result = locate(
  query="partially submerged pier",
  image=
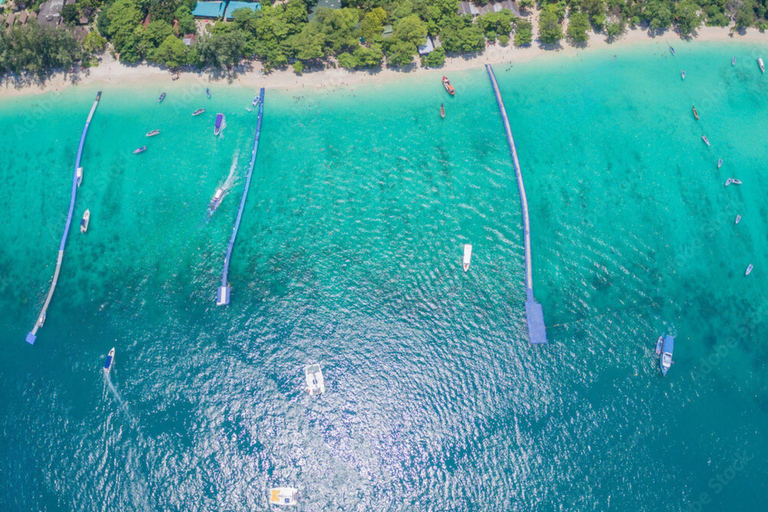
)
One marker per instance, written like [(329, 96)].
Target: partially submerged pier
[(222, 295), (534, 313), (32, 335)]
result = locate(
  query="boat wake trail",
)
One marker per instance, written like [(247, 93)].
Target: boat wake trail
[(116, 394), (225, 187)]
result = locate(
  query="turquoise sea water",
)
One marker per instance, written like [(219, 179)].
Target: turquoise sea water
[(350, 255)]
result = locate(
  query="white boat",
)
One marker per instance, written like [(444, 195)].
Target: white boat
[(749, 269), (84, 221), (315, 381), (284, 496), (659, 344), (217, 197), (738, 219), (153, 133), (79, 174), (760, 63), (720, 163), (683, 75), (467, 256), (705, 139), (109, 360)]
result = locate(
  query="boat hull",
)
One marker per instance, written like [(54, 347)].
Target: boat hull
[(109, 361)]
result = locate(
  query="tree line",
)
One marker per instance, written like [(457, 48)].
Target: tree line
[(360, 35)]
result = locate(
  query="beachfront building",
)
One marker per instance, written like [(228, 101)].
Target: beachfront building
[(429, 46), (50, 13)]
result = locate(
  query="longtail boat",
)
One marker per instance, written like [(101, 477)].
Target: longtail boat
[(448, 86), (695, 114)]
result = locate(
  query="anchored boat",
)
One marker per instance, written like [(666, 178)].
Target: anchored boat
[(733, 61), (760, 63), (139, 150), (219, 124), (315, 381), (109, 360), (84, 222), (738, 219), (683, 75), (285, 496), (672, 51), (733, 181), (666, 357), (442, 111), (448, 86), (467, 256), (720, 163), (749, 270), (695, 114), (208, 93), (255, 102), (659, 344), (705, 139), (153, 133), (198, 112), (79, 174), (161, 98)]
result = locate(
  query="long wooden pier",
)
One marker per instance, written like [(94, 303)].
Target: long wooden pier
[(534, 313), (222, 295), (32, 335)]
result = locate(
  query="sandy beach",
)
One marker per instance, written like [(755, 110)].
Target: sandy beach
[(111, 71)]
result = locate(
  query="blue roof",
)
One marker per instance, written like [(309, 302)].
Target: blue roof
[(208, 10), (669, 344), (233, 6)]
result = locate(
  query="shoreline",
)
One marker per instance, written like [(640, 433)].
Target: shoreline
[(111, 72)]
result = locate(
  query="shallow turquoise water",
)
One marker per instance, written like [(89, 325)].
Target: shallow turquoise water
[(350, 255)]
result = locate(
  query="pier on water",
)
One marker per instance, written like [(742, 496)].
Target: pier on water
[(222, 295), (32, 335), (534, 313)]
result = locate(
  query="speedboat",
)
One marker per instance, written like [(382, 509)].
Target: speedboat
[(208, 93), (749, 269), (672, 51), (219, 124), (198, 112), (735, 181), (79, 174), (738, 219), (284, 496), (161, 98), (666, 356), (315, 381), (84, 222), (448, 86), (728, 181), (720, 163), (255, 102), (695, 114), (467, 256), (683, 75), (760, 63), (109, 360), (705, 139), (217, 197), (659, 344), (153, 133), (733, 61), (139, 150), (442, 111)]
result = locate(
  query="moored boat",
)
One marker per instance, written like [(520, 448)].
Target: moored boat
[(733, 61), (153, 133), (705, 139), (219, 124), (720, 163), (109, 360), (161, 98), (442, 111), (728, 181), (467, 256), (738, 219), (139, 150), (683, 74), (285, 496), (735, 181), (84, 221), (695, 114), (760, 63), (314, 378), (749, 270), (448, 86), (198, 112), (208, 93), (666, 356), (79, 174), (672, 51), (659, 344), (255, 102)]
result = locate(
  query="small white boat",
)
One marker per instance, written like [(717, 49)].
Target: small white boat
[(84, 221), (733, 181), (315, 381), (705, 139), (109, 360), (284, 496), (683, 74), (198, 112), (749, 269), (738, 219), (720, 163), (217, 197), (467, 256), (659, 344), (153, 133), (79, 174), (760, 63)]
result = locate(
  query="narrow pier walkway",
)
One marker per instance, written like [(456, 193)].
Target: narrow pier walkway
[(222, 295), (534, 313), (32, 335)]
